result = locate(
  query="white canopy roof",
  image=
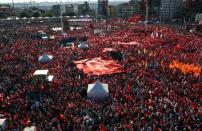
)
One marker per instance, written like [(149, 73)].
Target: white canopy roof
[(31, 128), (44, 37), (2, 122), (41, 31), (80, 20), (72, 45), (50, 78), (98, 90), (41, 72), (52, 37), (56, 29), (45, 58), (83, 45)]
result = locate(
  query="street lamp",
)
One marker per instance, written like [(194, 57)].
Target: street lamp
[(146, 13), (13, 4), (61, 16), (13, 12)]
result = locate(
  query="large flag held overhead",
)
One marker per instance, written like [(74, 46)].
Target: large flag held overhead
[(185, 68), (98, 66)]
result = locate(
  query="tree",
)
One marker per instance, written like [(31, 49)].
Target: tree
[(69, 14), (36, 14), (24, 14), (47, 14)]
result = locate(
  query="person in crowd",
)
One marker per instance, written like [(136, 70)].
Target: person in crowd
[(148, 96)]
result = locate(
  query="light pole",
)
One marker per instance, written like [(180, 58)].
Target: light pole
[(184, 18), (105, 8), (13, 12), (61, 17), (147, 14), (13, 4)]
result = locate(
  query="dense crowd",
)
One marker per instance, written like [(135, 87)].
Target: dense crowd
[(148, 96)]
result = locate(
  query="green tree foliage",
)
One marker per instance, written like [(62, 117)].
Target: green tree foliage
[(36, 14), (47, 14), (24, 14), (69, 14)]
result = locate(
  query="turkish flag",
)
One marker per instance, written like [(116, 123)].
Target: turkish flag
[(99, 66)]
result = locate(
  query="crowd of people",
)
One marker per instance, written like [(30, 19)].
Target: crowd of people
[(148, 96)]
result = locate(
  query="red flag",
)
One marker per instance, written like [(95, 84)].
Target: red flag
[(102, 128)]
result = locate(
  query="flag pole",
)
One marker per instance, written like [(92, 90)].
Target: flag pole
[(13, 13), (106, 11), (147, 14), (61, 16)]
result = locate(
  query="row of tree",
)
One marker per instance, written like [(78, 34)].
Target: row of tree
[(35, 13)]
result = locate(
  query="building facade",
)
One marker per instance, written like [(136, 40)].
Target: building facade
[(128, 9), (170, 8), (111, 11), (83, 9), (55, 9), (199, 6), (154, 8), (69, 10), (102, 8), (5, 11), (180, 9)]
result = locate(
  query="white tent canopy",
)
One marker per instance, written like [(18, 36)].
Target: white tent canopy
[(98, 90), (41, 72), (50, 78), (45, 58), (83, 45), (44, 37), (31, 128), (40, 31), (2, 123), (56, 29), (52, 37)]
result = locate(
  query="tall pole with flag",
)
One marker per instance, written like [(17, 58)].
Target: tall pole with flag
[(61, 17), (13, 13), (105, 11), (147, 13)]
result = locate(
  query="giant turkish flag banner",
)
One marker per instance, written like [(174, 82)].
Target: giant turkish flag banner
[(99, 66)]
